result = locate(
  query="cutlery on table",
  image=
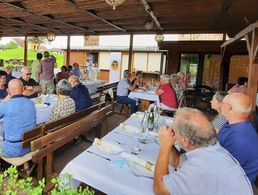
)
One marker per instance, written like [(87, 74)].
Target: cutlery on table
[(99, 155)]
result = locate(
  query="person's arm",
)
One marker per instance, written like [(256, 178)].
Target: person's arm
[(159, 91), (167, 139), (133, 87)]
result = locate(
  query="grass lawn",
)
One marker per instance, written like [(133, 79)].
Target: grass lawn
[(19, 54)]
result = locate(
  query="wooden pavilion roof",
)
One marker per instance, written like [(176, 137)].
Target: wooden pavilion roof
[(79, 17)]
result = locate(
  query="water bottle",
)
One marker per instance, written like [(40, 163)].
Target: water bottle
[(151, 119), (143, 135)]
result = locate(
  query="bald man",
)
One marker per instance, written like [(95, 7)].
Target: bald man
[(19, 115), (206, 168), (239, 136), (79, 93)]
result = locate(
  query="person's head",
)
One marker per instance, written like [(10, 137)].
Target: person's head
[(89, 59), (2, 78), (164, 79), (63, 87), (46, 54), (75, 65), (74, 80), (39, 56), (8, 70), (69, 68), (139, 74), (63, 69), (26, 73), (236, 107), (127, 75), (242, 81), (174, 78), (181, 75), (15, 87), (217, 100), (193, 129)]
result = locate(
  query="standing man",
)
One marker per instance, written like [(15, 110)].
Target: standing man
[(206, 168), (123, 88), (46, 72), (35, 67), (19, 115), (239, 136), (31, 87), (79, 93)]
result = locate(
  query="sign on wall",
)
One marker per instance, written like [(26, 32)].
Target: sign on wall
[(115, 63)]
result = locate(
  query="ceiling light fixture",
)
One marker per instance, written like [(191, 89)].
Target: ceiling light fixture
[(114, 3), (51, 36), (159, 37)]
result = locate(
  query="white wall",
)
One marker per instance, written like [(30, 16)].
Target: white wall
[(140, 61), (125, 58), (154, 62), (104, 60)]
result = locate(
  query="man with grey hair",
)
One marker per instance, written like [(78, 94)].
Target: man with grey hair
[(239, 136), (46, 72), (206, 168), (31, 87)]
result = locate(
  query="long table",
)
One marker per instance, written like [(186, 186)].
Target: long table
[(93, 85), (104, 175), (144, 95)]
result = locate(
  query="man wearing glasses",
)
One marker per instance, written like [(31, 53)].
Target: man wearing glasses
[(31, 87), (3, 91)]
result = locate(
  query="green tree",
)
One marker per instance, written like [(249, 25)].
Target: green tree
[(10, 45)]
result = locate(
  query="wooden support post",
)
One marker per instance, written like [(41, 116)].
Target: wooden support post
[(25, 51), (68, 50), (252, 45), (130, 52)]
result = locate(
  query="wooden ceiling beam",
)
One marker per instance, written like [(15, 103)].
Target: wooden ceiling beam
[(21, 7), (82, 10), (149, 10)]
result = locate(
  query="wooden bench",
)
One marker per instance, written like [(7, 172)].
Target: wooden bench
[(42, 130), (47, 144)]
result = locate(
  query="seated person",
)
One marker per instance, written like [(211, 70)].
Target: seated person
[(239, 136), (182, 81), (123, 88), (241, 86), (64, 105), (76, 71), (19, 116), (139, 78), (62, 75), (31, 87), (9, 76), (174, 79), (219, 121), (3, 91), (79, 93), (166, 93), (206, 168)]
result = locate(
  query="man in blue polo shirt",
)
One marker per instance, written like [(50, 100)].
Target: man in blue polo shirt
[(79, 93), (239, 136), (19, 115), (206, 168)]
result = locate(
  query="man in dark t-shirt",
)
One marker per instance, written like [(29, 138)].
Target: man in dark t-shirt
[(31, 87)]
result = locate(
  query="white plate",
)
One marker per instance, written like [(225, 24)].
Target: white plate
[(139, 170), (39, 106), (105, 150)]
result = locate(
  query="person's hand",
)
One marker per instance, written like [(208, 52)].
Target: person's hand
[(167, 137), (158, 84)]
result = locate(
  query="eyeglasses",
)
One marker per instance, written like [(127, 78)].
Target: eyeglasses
[(28, 74)]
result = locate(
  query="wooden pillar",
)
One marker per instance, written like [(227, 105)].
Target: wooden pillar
[(130, 52), (25, 59), (224, 71), (68, 50), (252, 47), (200, 69), (161, 63)]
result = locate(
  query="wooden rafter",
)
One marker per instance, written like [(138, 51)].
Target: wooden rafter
[(24, 9), (82, 10)]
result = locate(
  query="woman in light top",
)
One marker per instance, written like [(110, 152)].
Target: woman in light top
[(166, 93), (64, 105), (219, 121)]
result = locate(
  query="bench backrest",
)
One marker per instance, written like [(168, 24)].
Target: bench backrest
[(50, 142), (30, 135)]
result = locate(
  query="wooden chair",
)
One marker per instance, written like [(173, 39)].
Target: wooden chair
[(27, 137), (47, 144)]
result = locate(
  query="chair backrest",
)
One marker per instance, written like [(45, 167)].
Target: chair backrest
[(50, 142), (52, 126), (31, 135)]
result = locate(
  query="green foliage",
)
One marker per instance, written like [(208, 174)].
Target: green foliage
[(63, 187), (19, 54), (10, 45), (10, 184)]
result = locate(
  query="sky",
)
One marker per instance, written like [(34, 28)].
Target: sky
[(113, 40)]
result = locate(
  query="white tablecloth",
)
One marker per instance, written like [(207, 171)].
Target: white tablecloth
[(16, 74), (93, 85), (144, 95), (104, 176)]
